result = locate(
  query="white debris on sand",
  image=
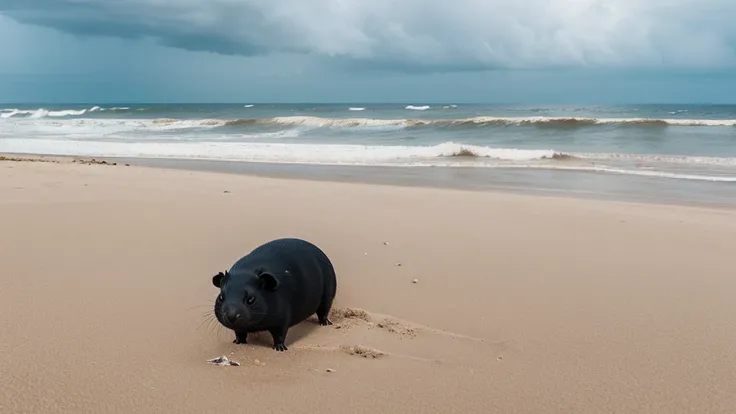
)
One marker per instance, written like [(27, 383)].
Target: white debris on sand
[(224, 361)]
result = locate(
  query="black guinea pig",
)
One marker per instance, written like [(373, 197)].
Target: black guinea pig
[(274, 287)]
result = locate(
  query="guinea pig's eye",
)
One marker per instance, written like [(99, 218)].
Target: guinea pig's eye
[(250, 300), (220, 298)]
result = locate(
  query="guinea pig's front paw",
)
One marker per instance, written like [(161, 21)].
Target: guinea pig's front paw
[(240, 339), (280, 347)]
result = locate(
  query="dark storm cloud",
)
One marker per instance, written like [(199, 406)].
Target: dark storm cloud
[(417, 35)]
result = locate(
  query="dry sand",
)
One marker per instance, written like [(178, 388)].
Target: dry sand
[(523, 304)]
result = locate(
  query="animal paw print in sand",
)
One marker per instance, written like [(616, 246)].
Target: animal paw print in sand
[(349, 317)]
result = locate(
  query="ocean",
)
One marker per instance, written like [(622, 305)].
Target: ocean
[(669, 143)]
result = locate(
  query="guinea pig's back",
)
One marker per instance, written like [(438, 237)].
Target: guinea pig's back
[(307, 271)]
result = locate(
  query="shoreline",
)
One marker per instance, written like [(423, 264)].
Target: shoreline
[(585, 185)]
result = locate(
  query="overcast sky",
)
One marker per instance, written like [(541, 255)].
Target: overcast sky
[(522, 51)]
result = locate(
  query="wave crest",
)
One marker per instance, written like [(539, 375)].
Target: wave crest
[(447, 154), (314, 121), (452, 149), (487, 121), (43, 112), (571, 121)]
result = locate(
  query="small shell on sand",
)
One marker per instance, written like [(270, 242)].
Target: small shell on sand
[(224, 361), (415, 281)]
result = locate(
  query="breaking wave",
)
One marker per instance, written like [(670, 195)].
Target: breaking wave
[(314, 121), (396, 135), (491, 121), (448, 154), (43, 113), (319, 122)]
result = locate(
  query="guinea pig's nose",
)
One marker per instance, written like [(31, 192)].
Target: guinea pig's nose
[(233, 317)]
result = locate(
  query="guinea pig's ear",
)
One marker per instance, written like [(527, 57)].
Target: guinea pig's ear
[(217, 279), (268, 281)]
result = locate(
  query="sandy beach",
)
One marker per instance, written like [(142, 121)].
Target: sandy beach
[(448, 301)]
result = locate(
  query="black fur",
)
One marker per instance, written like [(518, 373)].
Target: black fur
[(276, 286)]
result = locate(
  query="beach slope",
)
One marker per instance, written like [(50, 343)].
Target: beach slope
[(448, 301)]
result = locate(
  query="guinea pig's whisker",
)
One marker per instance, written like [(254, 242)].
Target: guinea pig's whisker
[(211, 327), (209, 323), (204, 322), (206, 315), (199, 306), (215, 327)]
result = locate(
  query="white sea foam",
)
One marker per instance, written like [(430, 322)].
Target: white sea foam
[(540, 120), (552, 121), (269, 152), (357, 122), (134, 130), (39, 113), (633, 172), (36, 124), (43, 112), (314, 121), (115, 108), (9, 113), (68, 112), (248, 106), (657, 158), (448, 154), (417, 108), (12, 113), (572, 121)]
